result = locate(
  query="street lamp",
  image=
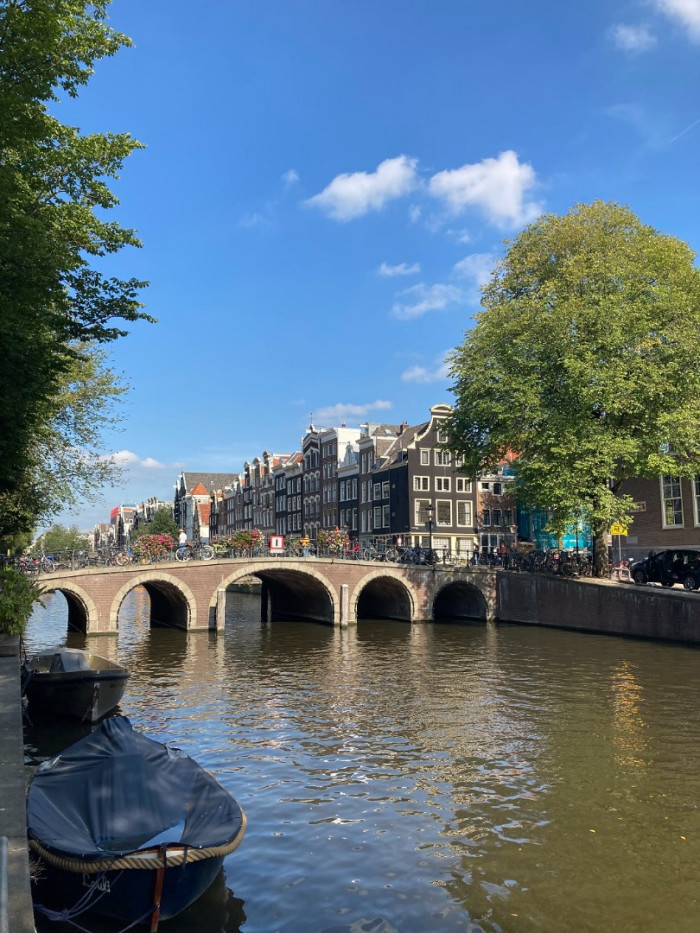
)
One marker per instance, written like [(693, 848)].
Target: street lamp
[(429, 509)]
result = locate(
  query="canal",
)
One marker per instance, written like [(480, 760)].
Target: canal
[(426, 778)]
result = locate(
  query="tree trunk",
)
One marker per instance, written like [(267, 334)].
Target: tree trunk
[(600, 548)]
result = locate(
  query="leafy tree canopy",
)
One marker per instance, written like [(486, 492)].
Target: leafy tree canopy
[(162, 523), (63, 462), (60, 538), (54, 195), (583, 363)]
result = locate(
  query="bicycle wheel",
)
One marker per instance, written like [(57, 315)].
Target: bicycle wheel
[(207, 552), (183, 554), (122, 559), (47, 565), (391, 554)]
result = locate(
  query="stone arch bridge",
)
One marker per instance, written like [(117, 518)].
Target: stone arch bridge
[(192, 596)]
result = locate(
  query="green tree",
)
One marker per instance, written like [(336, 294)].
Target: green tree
[(162, 523), (584, 364), (54, 228), (63, 462), (61, 538)]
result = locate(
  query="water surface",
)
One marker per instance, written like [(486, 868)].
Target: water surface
[(411, 779)]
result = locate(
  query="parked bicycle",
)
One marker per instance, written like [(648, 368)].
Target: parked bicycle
[(194, 552)]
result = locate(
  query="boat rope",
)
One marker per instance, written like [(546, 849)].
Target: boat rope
[(176, 855), (85, 902)]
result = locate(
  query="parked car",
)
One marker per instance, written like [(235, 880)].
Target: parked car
[(675, 565)]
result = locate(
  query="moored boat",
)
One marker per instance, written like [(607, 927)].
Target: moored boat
[(73, 684), (127, 827)]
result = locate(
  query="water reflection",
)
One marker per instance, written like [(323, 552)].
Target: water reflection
[(489, 778)]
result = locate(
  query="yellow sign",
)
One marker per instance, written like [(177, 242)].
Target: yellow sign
[(617, 528)]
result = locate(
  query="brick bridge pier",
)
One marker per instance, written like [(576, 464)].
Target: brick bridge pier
[(192, 596)]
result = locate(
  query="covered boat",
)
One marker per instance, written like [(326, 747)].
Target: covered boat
[(127, 827), (72, 684)]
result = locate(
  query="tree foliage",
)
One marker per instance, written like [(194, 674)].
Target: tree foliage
[(61, 538), (54, 229), (162, 523), (63, 461), (583, 363)]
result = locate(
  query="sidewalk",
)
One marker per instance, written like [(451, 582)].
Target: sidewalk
[(16, 915)]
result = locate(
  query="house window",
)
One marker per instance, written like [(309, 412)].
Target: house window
[(508, 517), (486, 517), (442, 483), (421, 483), (421, 516), (385, 516), (443, 458), (672, 502), (497, 489), (377, 516), (496, 516), (464, 513), (462, 484), (443, 512), (425, 458), (442, 436), (377, 491), (385, 489)]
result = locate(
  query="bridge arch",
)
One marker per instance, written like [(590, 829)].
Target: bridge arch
[(291, 590), (383, 594), (460, 601), (172, 602), (82, 611)]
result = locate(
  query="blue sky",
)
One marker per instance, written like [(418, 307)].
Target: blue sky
[(325, 184)]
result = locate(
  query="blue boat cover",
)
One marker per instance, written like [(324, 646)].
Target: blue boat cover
[(117, 791)]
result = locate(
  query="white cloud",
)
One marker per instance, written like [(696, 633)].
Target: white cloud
[(290, 177), (387, 271), (477, 266), (686, 12), (353, 195), (126, 458), (414, 213), (342, 413), (420, 374), (421, 298), (631, 38), (497, 186)]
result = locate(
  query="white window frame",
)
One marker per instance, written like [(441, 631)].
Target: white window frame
[(668, 482), (424, 456), (421, 484), (462, 484), (443, 484), (464, 505), (444, 506)]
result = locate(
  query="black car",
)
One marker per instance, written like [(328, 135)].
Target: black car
[(676, 565)]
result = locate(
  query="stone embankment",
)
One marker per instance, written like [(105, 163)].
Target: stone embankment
[(16, 915)]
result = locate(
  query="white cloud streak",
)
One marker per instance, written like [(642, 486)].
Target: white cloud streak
[(420, 299), (477, 267), (126, 458), (343, 412), (685, 12), (388, 272), (498, 187), (632, 38), (421, 374), (290, 177), (353, 195)]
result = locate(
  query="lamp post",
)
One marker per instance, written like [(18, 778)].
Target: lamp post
[(429, 509)]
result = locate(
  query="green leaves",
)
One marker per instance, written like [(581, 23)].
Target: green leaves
[(55, 301), (583, 362)]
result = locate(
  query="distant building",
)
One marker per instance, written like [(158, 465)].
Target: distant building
[(192, 489)]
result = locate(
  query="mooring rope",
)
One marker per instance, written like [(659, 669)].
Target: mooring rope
[(147, 858)]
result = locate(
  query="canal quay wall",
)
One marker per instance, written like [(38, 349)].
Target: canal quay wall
[(16, 914), (599, 606)]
